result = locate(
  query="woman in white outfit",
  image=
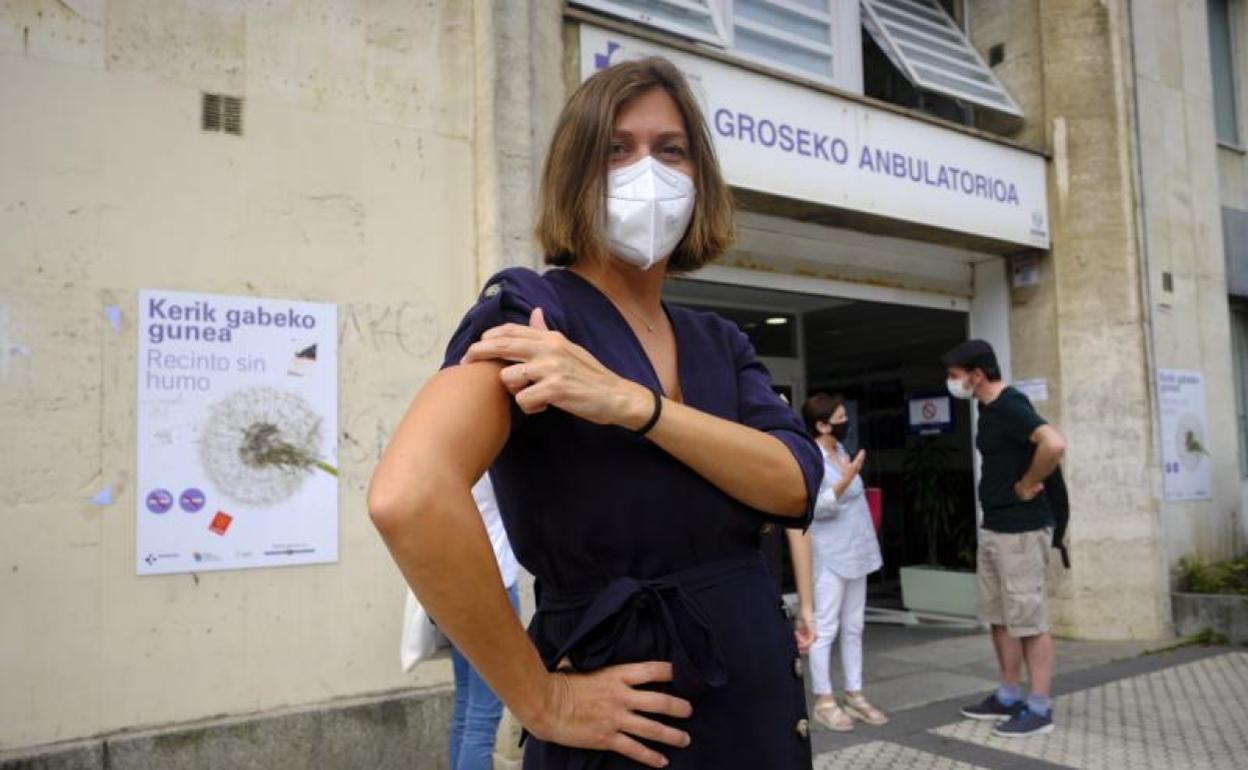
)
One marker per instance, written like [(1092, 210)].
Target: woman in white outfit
[(831, 561)]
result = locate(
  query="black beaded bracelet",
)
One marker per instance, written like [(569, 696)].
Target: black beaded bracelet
[(654, 418)]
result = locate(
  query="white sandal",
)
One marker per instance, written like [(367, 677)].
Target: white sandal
[(859, 708), (831, 716)]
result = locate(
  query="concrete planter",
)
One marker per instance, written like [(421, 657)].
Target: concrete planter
[(939, 591), (1227, 614)]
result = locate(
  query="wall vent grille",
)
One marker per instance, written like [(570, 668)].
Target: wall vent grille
[(222, 113)]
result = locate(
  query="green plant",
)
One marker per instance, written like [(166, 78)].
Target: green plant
[(928, 485), (1198, 576), (1206, 637)]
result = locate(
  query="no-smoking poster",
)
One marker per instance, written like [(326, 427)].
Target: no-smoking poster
[(237, 433), (929, 413), (1186, 464)]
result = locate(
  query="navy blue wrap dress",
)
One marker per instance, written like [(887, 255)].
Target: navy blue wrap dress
[(636, 556)]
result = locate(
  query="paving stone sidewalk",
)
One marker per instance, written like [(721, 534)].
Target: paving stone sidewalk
[(1114, 708)]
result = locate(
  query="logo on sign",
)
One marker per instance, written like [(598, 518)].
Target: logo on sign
[(191, 500), (1037, 224), (220, 523), (603, 60), (159, 501)]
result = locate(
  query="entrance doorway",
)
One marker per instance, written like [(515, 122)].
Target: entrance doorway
[(884, 358)]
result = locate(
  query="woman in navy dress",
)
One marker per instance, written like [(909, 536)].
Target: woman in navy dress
[(637, 452)]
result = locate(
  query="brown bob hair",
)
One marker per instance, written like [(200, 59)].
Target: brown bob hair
[(820, 408), (572, 205)]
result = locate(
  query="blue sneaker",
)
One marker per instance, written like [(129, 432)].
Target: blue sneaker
[(991, 709), (1025, 723)]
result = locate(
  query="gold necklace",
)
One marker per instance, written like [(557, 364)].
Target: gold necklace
[(649, 326), (640, 318), (620, 306)]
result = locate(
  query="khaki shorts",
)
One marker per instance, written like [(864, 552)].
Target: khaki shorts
[(1012, 570)]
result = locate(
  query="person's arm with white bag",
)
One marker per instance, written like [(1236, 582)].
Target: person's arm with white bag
[(420, 637)]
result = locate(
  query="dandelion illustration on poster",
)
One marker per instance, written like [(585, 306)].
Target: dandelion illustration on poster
[(237, 433)]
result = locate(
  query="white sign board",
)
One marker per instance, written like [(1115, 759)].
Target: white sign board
[(930, 414), (1036, 391), (782, 138), (237, 432), (1026, 269), (1188, 469)]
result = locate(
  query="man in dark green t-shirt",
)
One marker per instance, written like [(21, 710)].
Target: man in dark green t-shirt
[(1019, 450)]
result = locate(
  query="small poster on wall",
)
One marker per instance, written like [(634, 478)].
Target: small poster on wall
[(929, 413), (237, 433), (1187, 466)]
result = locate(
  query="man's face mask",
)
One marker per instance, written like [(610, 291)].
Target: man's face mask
[(961, 387), (649, 206)]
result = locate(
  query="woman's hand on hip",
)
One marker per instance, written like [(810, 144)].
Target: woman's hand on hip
[(605, 711), (548, 370)]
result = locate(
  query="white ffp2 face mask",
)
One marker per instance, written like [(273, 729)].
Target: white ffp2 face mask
[(959, 389), (649, 206)]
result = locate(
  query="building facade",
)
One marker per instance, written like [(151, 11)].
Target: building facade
[(1065, 178)]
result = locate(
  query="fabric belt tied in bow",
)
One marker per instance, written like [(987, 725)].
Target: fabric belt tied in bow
[(663, 609), (634, 620)]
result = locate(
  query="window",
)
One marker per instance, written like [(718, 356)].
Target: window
[(797, 36), (1222, 59), (914, 54), (1235, 244), (817, 39), (929, 48), (697, 19), (883, 79), (1239, 344)]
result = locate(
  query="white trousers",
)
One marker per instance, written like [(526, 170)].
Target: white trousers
[(840, 611)]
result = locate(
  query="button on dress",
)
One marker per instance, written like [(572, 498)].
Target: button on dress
[(636, 556)]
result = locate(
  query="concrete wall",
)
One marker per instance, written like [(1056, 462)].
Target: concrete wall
[(356, 181), (1015, 26), (1083, 328), (1181, 216), (1128, 122)]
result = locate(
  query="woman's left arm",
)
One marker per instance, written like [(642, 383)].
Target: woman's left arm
[(752, 465), (747, 464)]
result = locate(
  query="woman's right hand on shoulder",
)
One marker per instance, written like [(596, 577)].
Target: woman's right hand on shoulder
[(605, 711), (543, 368)]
